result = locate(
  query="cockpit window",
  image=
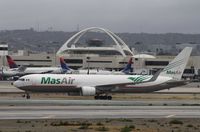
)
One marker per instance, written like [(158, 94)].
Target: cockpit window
[(22, 79)]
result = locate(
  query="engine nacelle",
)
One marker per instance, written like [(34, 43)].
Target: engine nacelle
[(88, 91)]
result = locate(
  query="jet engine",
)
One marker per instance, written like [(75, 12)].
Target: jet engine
[(88, 91)]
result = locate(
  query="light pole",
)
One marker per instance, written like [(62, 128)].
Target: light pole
[(88, 66), (54, 52)]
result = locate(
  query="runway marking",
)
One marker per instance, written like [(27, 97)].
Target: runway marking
[(169, 116), (48, 117)]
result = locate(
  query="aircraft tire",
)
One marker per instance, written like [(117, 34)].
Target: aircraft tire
[(100, 97), (96, 97), (109, 97), (28, 97), (104, 97)]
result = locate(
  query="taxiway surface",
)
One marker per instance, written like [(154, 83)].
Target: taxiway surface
[(58, 102), (92, 109), (98, 112), (15, 108)]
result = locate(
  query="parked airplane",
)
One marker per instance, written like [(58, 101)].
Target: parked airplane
[(127, 69), (14, 73), (33, 70), (100, 86)]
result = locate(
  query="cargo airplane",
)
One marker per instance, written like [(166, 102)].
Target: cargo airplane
[(101, 86)]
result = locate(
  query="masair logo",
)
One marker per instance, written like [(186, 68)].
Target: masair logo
[(173, 72), (50, 80)]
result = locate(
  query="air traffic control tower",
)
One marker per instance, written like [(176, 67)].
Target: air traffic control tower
[(96, 47), (3, 53)]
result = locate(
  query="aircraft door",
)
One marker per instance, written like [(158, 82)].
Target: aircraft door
[(32, 82)]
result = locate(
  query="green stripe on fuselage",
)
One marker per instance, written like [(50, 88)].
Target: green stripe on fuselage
[(138, 79)]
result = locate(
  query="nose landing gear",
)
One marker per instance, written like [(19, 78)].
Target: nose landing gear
[(26, 95)]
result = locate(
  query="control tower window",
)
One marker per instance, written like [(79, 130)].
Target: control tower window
[(95, 42)]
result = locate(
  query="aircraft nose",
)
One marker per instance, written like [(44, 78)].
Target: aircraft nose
[(17, 84)]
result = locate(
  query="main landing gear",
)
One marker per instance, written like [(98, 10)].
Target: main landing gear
[(105, 97), (26, 95)]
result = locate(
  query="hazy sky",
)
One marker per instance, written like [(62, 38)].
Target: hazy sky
[(153, 16)]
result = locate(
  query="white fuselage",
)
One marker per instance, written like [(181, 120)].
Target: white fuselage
[(37, 70), (30, 70), (91, 71), (8, 73), (96, 71)]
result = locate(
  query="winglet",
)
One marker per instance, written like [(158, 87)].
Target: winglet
[(176, 67), (11, 62)]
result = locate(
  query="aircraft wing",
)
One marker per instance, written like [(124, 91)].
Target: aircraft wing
[(109, 87), (45, 72), (112, 86)]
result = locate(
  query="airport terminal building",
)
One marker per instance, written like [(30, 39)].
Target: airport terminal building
[(82, 50)]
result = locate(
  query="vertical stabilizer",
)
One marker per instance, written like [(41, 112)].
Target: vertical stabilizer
[(64, 66), (176, 67), (128, 67), (11, 62)]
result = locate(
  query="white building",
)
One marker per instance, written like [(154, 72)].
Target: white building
[(3, 53), (3, 49)]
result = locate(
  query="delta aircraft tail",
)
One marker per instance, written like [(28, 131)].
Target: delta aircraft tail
[(176, 67), (128, 68), (64, 66), (11, 62)]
